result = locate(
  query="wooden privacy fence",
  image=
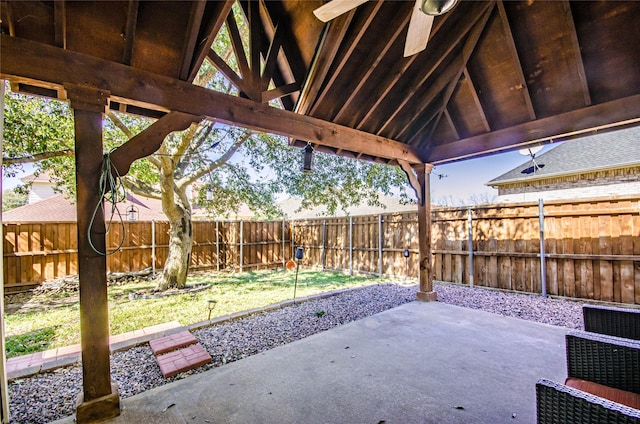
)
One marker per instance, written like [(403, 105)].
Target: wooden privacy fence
[(591, 248), (35, 252)]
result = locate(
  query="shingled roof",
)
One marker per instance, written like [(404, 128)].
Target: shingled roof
[(610, 150), (58, 208)]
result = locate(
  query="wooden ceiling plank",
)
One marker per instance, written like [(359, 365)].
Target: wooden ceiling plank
[(226, 70), (582, 75), (425, 76), (39, 62), (130, 30), (60, 22), (238, 50), (370, 69), (518, 64), (623, 111), (347, 55), (213, 27), (191, 37), (329, 45)]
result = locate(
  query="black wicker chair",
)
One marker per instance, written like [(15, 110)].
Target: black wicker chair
[(612, 321), (610, 361)]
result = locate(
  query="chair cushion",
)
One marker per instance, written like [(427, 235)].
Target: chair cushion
[(623, 397)]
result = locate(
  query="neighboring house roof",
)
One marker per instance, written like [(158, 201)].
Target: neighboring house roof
[(42, 177), (391, 204), (610, 150), (58, 208)]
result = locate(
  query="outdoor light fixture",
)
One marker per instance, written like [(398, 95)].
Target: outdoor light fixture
[(307, 157), (209, 195), (132, 213), (211, 304), (299, 253), (406, 253)]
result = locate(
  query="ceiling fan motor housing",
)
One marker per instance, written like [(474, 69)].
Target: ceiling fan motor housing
[(437, 7)]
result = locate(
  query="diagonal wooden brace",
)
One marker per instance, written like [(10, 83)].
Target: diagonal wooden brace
[(150, 140)]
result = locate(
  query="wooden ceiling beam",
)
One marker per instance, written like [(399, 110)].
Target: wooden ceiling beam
[(582, 75), (604, 115), (218, 15), (255, 43), (191, 37), (38, 62), (272, 58), (511, 44), (476, 100), (130, 30), (452, 125)]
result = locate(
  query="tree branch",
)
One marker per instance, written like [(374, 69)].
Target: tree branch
[(118, 123), (38, 157), (140, 188)]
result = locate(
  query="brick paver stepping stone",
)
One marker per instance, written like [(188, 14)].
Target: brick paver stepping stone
[(181, 360), (172, 342)]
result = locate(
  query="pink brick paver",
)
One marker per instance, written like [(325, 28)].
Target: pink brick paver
[(172, 342), (182, 360)]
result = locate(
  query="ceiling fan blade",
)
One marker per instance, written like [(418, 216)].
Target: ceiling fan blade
[(419, 30), (335, 8)]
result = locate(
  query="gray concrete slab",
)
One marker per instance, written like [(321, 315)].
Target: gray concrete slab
[(418, 363)]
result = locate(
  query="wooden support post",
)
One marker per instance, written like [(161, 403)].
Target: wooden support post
[(99, 398), (425, 273)]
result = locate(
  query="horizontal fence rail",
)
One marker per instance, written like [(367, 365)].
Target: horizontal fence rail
[(590, 248)]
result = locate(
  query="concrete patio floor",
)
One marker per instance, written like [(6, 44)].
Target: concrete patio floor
[(418, 363)]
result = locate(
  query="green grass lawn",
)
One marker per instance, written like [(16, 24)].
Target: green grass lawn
[(53, 327)]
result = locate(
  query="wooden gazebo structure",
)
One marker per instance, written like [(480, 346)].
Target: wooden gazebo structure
[(495, 76)]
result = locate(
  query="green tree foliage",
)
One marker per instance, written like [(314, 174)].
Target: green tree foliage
[(12, 199)]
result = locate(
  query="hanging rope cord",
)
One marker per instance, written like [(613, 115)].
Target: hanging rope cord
[(112, 191)]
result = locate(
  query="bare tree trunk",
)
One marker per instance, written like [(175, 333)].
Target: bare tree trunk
[(176, 267)]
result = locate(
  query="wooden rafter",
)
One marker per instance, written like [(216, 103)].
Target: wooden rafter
[(452, 125), (330, 43), (511, 44), (582, 75), (191, 37), (130, 30), (467, 49), (60, 23), (476, 100), (38, 62), (371, 67), (213, 25), (238, 49), (449, 47), (347, 54), (226, 70), (255, 42), (272, 58)]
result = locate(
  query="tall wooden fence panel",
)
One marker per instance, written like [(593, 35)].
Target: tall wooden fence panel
[(591, 247)]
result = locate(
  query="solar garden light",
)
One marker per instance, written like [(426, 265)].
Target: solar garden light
[(299, 255), (307, 158), (211, 304)]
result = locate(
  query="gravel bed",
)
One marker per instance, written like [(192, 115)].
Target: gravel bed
[(52, 395)]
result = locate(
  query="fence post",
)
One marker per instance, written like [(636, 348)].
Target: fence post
[(543, 267), (470, 233), (293, 237), (324, 238), (241, 240), (153, 247), (283, 244), (380, 245), (217, 245), (350, 245)]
